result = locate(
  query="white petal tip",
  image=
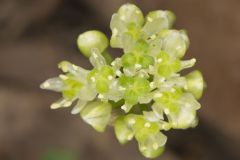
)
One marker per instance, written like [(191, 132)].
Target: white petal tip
[(147, 125), (55, 106), (45, 85)]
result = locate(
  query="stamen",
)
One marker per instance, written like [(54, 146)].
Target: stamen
[(150, 67), (147, 125), (172, 90), (153, 36), (64, 68), (93, 79), (193, 60), (129, 137), (166, 110), (118, 73), (67, 104), (188, 105), (110, 77), (159, 60), (178, 47), (115, 32), (45, 85), (113, 63), (152, 85), (127, 72), (95, 55), (121, 88), (123, 18), (100, 96), (174, 124), (149, 19), (144, 148), (75, 67), (55, 106), (165, 126), (138, 12), (132, 121), (138, 66), (158, 95), (162, 80), (124, 107), (63, 77)]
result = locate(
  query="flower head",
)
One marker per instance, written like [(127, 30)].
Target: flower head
[(141, 93)]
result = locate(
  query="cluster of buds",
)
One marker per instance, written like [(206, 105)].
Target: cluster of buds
[(140, 93)]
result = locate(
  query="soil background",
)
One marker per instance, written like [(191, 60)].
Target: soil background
[(36, 35)]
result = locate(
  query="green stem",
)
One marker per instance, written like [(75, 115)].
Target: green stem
[(107, 56)]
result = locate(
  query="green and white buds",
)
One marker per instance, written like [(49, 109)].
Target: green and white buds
[(141, 93)]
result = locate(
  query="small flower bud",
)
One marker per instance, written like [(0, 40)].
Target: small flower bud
[(195, 83), (92, 39), (97, 114)]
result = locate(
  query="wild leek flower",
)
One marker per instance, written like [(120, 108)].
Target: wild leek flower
[(141, 93)]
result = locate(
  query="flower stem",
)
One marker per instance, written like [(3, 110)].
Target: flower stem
[(107, 56)]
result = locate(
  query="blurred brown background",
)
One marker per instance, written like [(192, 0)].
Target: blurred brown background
[(36, 35)]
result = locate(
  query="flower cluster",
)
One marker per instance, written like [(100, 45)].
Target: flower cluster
[(140, 93)]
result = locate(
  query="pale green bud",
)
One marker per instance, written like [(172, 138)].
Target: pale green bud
[(97, 114), (175, 43), (157, 21), (195, 83), (183, 119), (130, 13), (118, 28), (168, 15), (92, 39), (153, 145), (125, 26), (186, 116), (123, 131)]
